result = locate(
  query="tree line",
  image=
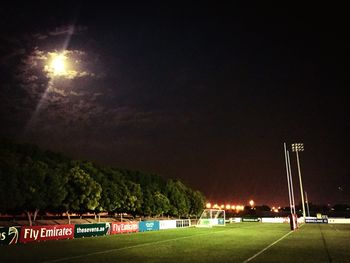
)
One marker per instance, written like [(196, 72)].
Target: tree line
[(33, 181)]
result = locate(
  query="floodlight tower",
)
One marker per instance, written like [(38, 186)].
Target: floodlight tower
[(299, 147)]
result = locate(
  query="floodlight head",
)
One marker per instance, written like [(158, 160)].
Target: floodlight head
[(297, 147)]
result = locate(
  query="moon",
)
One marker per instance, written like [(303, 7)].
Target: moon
[(58, 65)]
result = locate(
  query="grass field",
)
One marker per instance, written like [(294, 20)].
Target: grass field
[(242, 242)]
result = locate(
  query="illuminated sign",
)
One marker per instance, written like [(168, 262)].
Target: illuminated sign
[(124, 227), (90, 230), (38, 233), (9, 235)]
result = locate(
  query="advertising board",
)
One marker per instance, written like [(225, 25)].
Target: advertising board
[(167, 224), (124, 227), (274, 219), (315, 220), (50, 232), (90, 230), (338, 220), (250, 219), (148, 226), (9, 235)]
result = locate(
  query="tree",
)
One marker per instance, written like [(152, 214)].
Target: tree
[(11, 199), (56, 191), (33, 187), (264, 208), (133, 198), (35, 180), (83, 192), (197, 201), (161, 203), (179, 203), (113, 196), (341, 207), (148, 205)]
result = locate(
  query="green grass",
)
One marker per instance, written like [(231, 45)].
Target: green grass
[(233, 243)]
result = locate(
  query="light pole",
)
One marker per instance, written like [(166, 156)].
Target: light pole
[(289, 179), (299, 147), (307, 204), (291, 182)]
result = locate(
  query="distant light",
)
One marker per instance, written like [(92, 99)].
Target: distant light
[(215, 206), (239, 207), (251, 202), (228, 207), (208, 205), (222, 206), (233, 207)]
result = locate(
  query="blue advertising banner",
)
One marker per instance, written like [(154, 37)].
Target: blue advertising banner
[(148, 226)]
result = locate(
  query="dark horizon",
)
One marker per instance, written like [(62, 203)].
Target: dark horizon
[(204, 93)]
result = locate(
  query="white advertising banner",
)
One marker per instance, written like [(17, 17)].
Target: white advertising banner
[(167, 224), (338, 220), (274, 220)]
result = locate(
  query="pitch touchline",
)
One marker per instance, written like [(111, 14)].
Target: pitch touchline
[(266, 248), (135, 246)]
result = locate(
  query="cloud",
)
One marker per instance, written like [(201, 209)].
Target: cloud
[(40, 36), (10, 48), (67, 30), (83, 103)]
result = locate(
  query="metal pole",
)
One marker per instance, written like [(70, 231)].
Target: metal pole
[(291, 182), (289, 194), (301, 186), (307, 204)]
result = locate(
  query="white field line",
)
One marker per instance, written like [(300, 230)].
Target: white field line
[(266, 248), (129, 247), (336, 229)]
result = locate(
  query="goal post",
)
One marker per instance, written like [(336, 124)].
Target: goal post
[(211, 217)]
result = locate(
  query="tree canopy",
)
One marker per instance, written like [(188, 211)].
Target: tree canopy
[(33, 180)]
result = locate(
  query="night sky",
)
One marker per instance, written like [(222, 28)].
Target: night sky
[(206, 93)]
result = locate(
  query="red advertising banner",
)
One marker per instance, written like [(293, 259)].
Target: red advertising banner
[(38, 233), (124, 227)]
